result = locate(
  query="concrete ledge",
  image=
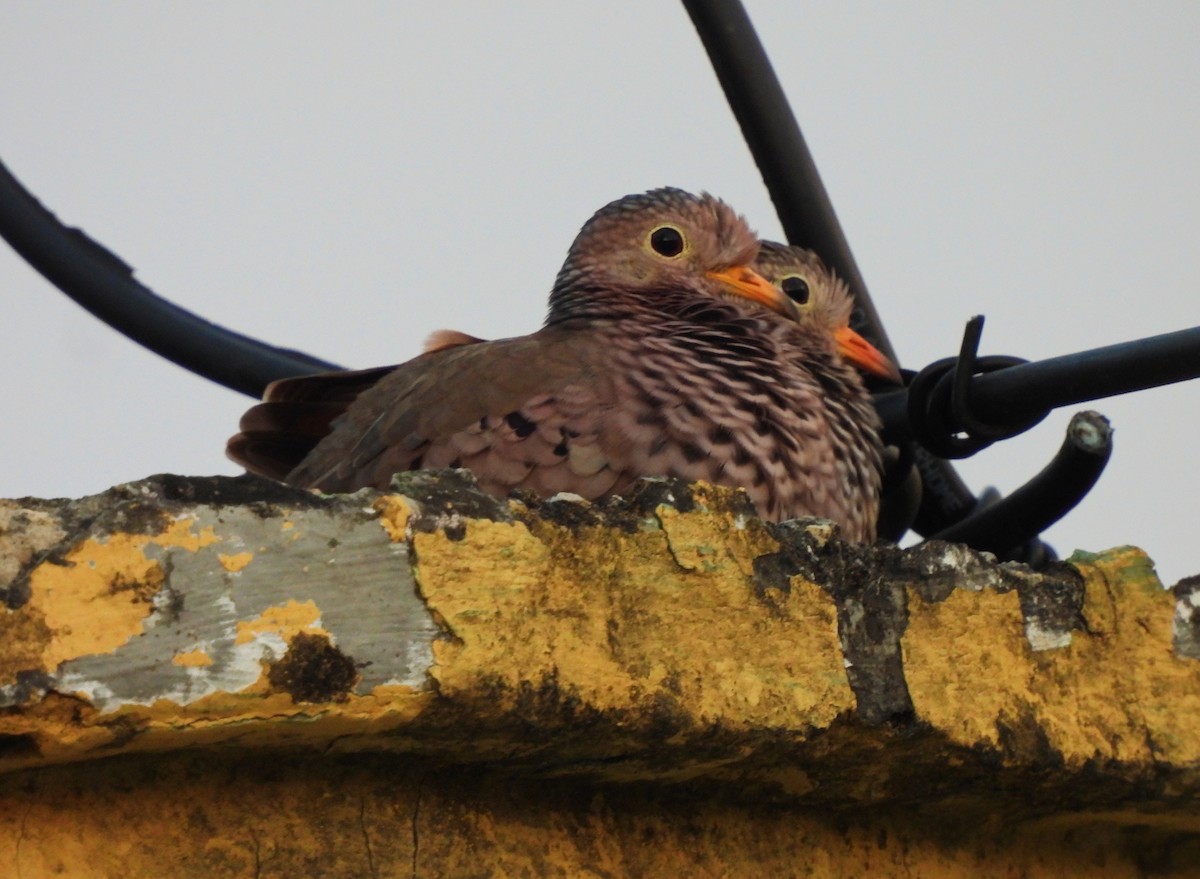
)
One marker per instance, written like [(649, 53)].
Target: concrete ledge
[(225, 677)]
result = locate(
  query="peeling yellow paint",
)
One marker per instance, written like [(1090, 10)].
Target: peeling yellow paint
[(192, 659), (393, 512), (179, 535), (660, 643), (1147, 708), (620, 618), (284, 620), (236, 562), (967, 662), (67, 728), (1117, 692), (707, 543), (97, 599)]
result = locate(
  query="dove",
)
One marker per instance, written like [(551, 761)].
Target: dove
[(663, 353), (822, 299)]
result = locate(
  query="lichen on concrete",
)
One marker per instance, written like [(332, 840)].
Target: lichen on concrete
[(661, 685), (226, 586)]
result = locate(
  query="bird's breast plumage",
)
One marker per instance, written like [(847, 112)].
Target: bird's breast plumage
[(753, 402)]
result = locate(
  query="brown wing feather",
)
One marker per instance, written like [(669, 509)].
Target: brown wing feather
[(342, 386), (270, 453), (297, 413), (507, 410)]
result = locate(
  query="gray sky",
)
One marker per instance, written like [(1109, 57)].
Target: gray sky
[(343, 179)]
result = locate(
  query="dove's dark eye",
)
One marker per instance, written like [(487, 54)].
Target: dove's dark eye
[(667, 241), (796, 289)]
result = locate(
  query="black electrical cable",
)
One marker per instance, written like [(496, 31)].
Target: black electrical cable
[(1016, 395), (102, 283), (1018, 392), (1004, 527), (778, 147)]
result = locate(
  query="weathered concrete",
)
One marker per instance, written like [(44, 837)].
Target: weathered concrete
[(226, 677)]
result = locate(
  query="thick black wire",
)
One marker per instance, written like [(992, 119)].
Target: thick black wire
[(103, 284), (1016, 395), (805, 211), (1018, 392), (762, 111), (1003, 527)]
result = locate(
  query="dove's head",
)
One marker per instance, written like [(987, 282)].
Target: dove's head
[(823, 300), (662, 250)]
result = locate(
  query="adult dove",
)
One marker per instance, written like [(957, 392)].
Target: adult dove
[(664, 353)]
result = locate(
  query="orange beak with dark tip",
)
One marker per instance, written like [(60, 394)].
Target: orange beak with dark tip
[(866, 356), (749, 284)]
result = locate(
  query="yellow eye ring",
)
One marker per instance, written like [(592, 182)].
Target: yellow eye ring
[(795, 288), (667, 240)]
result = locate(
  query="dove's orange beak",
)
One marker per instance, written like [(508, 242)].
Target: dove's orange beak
[(866, 356), (749, 284)]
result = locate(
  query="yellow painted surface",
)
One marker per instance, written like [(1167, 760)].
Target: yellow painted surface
[(91, 601), (656, 626), (967, 663), (646, 711), (285, 620), (97, 600), (1148, 709), (393, 516), (192, 659), (235, 562), (622, 624), (196, 816), (1117, 692)]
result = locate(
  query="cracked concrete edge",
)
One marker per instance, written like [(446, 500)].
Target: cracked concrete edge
[(667, 636), (231, 815), (204, 815)]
